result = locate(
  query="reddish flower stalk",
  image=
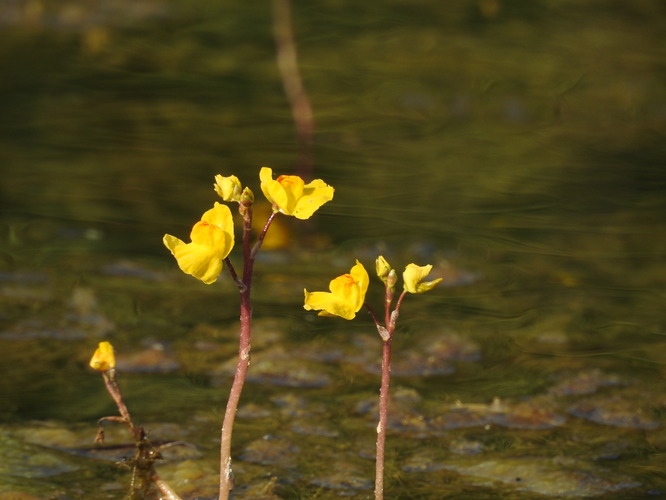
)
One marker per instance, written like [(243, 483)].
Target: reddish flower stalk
[(244, 346), (386, 332)]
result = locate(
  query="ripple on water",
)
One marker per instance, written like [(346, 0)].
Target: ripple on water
[(80, 318), (277, 367), (545, 476), (615, 412), (270, 450), (344, 477), (432, 354), (584, 382)]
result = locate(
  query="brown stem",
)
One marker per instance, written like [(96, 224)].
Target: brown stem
[(226, 478), (112, 388), (388, 299), (232, 273), (164, 488), (262, 235), (143, 462), (372, 313), (383, 418), (244, 347)]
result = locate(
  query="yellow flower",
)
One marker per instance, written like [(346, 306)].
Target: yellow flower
[(291, 196), (346, 297), (212, 240), (413, 278), (104, 358), (228, 188)]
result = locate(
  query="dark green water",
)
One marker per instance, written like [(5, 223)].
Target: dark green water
[(517, 146)]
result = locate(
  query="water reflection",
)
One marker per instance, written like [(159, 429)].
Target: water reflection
[(517, 147)]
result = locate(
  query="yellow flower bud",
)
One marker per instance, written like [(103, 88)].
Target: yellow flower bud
[(247, 197), (228, 188), (413, 278), (383, 268), (104, 358)]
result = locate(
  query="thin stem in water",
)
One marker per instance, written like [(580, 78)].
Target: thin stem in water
[(383, 418), (244, 346)]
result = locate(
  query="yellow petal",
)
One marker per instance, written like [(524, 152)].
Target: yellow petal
[(362, 280), (345, 290), (199, 261), (104, 358), (286, 192), (228, 188), (315, 194), (171, 242), (413, 277), (329, 305), (219, 215), (289, 195), (267, 185)]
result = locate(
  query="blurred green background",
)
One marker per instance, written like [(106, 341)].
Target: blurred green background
[(473, 123)]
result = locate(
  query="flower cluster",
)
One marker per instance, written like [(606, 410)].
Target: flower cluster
[(347, 292), (212, 237)]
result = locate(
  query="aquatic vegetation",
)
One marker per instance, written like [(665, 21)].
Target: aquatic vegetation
[(204, 258), (212, 241), (144, 475), (346, 298)]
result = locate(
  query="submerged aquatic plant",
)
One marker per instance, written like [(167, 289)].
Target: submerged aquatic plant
[(144, 475), (345, 299), (212, 240)]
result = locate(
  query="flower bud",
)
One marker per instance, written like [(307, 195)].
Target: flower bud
[(104, 358), (247, 197), (246, 201), (383, 268)]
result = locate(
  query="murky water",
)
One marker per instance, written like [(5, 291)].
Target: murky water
[(518, 147)]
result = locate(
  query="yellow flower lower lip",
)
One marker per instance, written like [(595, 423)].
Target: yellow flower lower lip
[(346, 296), (212, 240)]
